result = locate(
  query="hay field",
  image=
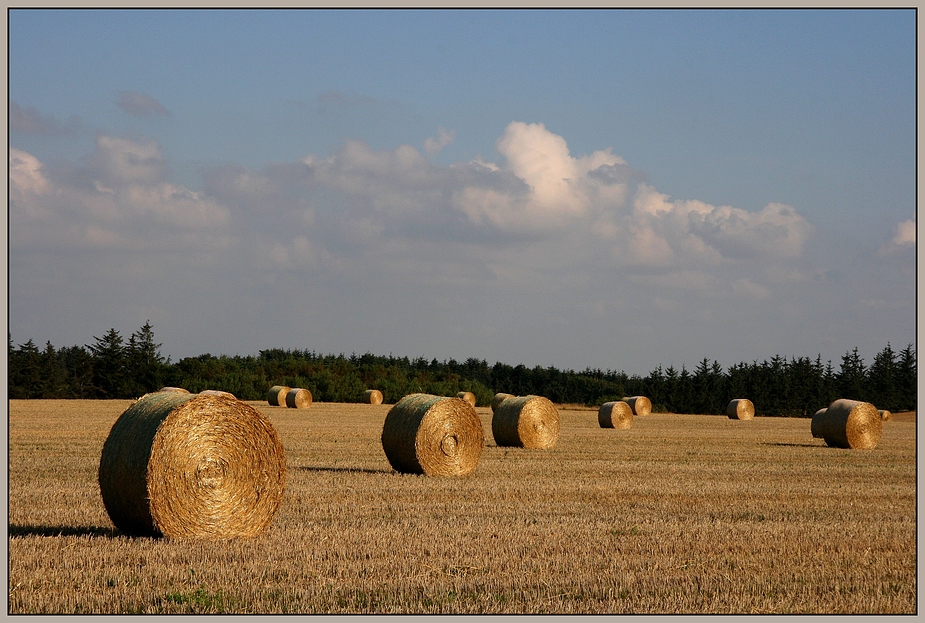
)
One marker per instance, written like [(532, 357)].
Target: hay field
[(678, 514)]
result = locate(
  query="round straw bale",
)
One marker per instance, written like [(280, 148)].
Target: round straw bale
[(174, 389), (639, 404), (885, 416), (498, 399), (372, 397), (616, 414), (815, 426), (277, 395), (527, 422), (467, 396), (740, 409), (217, 392), (298, 398), (851, 424), (433, 435), (192, 465)]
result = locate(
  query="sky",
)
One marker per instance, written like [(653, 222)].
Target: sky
[(613, 189)]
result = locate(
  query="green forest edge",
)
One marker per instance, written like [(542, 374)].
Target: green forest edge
[(110, 368)]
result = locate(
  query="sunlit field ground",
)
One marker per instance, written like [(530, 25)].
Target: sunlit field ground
[(678, 514)]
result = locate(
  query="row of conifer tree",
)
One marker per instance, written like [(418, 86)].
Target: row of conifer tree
[(112, 367)]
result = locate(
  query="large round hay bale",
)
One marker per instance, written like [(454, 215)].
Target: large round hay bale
[(816, 425), (616, 414), (527, 422), (467, 396), (277, 395), (740, 409), (217, 392), (174, 389), (433, 435), (639, 404), (498, 399), (851, 424), (885, 416), (192, 465), (372, 397), (298, 398)]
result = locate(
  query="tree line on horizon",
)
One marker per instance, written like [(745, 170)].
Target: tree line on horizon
[(112, 368)]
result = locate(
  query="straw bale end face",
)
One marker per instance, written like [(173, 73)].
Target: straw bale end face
[(616, 414), (640, 405), (298, 398), (372, 397), (885, 416), (740, 409), (276, 396), (192, 465), (433, 435), (851, 424), (526, 422), (467, 396)]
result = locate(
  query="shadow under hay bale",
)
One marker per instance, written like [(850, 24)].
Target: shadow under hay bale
[(372, 397), (467, 396), (179, 390), (616, 414), (277, 395), (815, 425), (639, 404), (740, 409), (526, 422), (298, 398), (433, 435), (192, 465), (851, 424), (498, 399)]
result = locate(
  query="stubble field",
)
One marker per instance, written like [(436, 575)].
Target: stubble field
[(678, 514)]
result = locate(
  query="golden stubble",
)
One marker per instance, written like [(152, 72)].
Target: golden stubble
[(678, 514)]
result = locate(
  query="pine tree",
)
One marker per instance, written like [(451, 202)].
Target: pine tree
[(852, 376), (907, 379), (109, 365), (882, 377)]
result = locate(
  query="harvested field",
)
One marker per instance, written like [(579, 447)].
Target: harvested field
[(678, 514)]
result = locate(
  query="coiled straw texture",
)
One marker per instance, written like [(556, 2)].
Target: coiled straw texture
[(616, 414), (740, 409), (526, 422), (433, 435), (192, 465), (639, 404), (851, 424)]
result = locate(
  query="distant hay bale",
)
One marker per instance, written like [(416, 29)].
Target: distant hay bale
[(639, 404), (174, 389), (616, 414), (526, 421), (740, 409), (499, 397), (277, 395), (217, 392), (815, 426), (885, 416), (372, 397), (467, 396), (192, 465), (851, 424), (298, 398), (433, 435)]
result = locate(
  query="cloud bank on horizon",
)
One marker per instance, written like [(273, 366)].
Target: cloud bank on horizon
[(536, 222)]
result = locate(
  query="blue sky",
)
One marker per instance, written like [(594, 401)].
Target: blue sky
[(618, 189)]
